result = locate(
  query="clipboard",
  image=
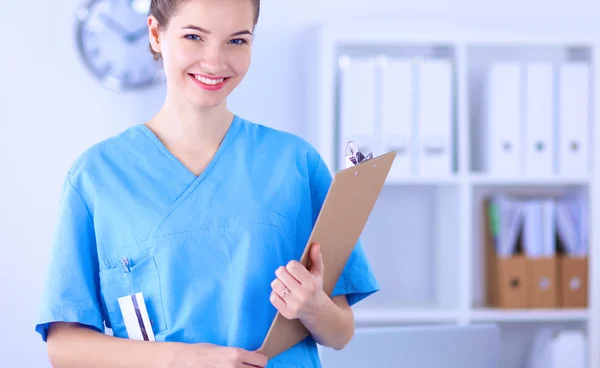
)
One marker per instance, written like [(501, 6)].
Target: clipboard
[(347, 206)]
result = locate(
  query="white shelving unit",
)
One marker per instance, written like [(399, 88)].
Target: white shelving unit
[(424, 235)]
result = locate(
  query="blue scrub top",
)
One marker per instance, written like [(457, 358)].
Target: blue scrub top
[(203, 249)]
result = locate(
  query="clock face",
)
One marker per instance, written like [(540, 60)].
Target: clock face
[(113, 41)]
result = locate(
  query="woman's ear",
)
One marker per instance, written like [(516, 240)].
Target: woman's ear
[(154, 34)]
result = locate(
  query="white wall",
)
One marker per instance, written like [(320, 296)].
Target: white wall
[(50, 110)]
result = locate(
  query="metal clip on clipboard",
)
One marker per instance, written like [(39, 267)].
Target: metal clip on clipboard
[(354, 156)]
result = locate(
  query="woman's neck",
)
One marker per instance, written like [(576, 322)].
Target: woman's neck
[(190, 129)]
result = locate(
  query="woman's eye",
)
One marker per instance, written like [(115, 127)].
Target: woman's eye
[(238, 41), (193, 37)]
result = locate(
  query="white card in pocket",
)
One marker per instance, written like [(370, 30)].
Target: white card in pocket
[(135, 315)]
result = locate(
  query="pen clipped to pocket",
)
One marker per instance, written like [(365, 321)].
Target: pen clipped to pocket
[(354, 156)]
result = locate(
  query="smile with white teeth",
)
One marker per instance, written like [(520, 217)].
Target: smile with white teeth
[(208, 81)]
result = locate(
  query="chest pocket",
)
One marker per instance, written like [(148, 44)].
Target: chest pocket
[(116, 283)]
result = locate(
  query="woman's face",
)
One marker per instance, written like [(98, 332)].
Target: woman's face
[(206, 49)]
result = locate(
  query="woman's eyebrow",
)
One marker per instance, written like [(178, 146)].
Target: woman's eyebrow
[(203, 30)]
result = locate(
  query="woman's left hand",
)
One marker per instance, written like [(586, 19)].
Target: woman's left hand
[(297, 291)]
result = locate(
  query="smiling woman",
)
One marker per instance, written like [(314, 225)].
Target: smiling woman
[(185, 231), (184, 32)]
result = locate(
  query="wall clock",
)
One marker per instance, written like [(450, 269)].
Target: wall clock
[(112, 39)]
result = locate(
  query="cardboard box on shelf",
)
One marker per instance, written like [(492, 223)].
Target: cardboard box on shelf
[(515, 280)]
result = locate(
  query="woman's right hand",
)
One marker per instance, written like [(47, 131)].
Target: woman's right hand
[(214, 356)]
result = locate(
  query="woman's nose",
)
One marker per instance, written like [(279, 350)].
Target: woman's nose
[(213, 59)]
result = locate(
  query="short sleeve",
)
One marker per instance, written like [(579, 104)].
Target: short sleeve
[(71, 288), (357, 280)]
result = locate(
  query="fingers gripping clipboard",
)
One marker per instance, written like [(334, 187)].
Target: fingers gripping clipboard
[(347, 206)]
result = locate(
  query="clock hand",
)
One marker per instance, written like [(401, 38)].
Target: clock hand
[(110, 23), (134, 37)]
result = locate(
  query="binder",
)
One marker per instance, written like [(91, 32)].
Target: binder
[(572, 228), (398, 113), (569, 349), (556, 348), (357, 88), (539, 236), (574, 118), (503, 131), (347, 206), (435, 116), (506, 265), (539, 119)]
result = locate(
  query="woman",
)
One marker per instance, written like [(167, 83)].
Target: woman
[(202, 212)]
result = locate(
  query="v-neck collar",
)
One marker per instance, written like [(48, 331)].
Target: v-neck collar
[(229, 135)]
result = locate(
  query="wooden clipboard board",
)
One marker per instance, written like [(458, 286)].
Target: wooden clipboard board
[(347, 206)]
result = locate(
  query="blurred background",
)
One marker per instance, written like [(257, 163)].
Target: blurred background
[(427, 234)]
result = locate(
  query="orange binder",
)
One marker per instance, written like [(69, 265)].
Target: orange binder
[(347, 206)]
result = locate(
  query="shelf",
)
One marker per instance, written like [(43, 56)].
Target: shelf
[(425, 237), (419, 267), (433, 315), (402, 315), (422, 180), (529, 315), (483, 179)]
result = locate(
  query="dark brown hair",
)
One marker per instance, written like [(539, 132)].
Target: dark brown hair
[(163, 10)]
